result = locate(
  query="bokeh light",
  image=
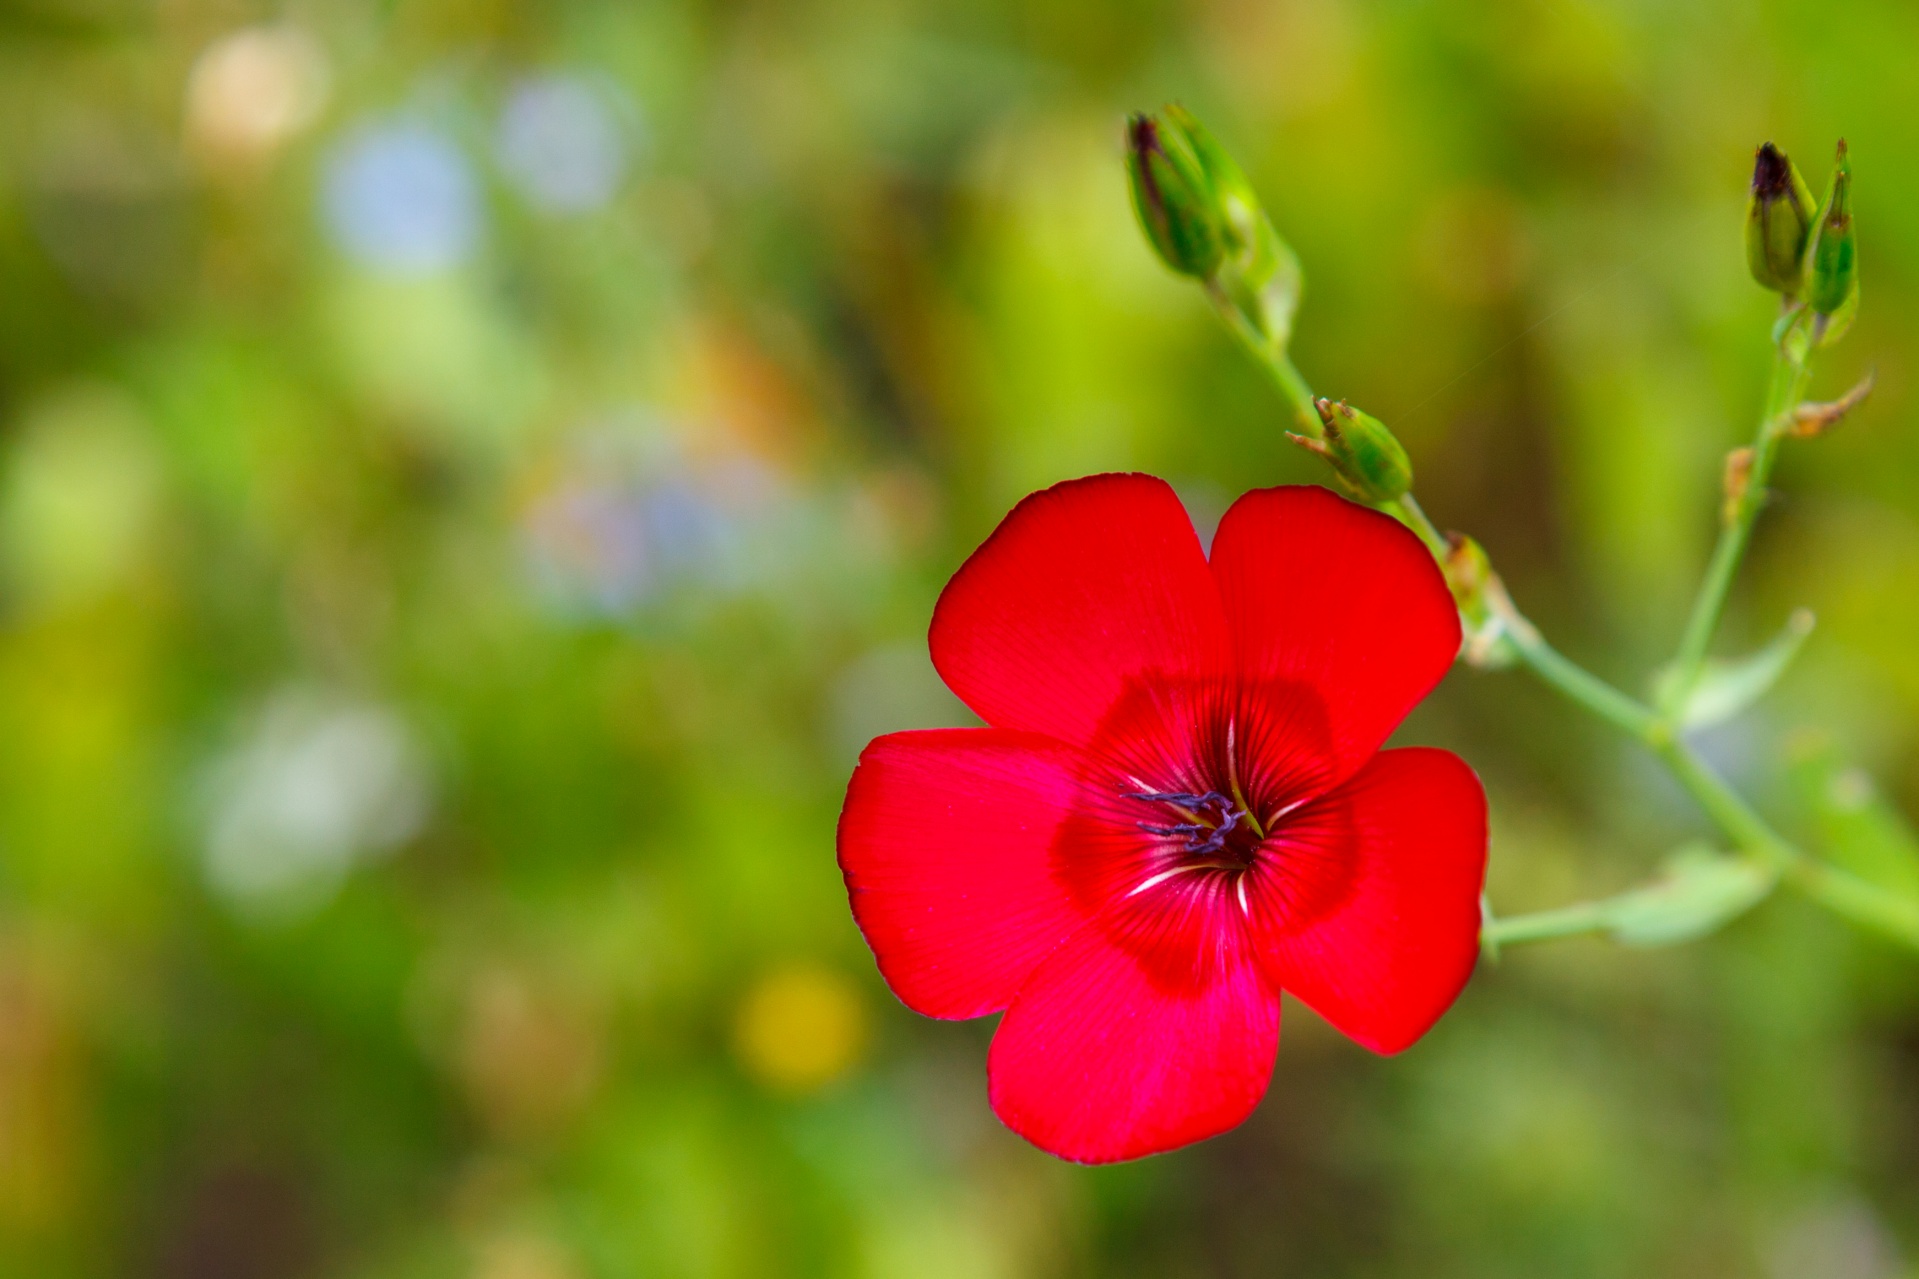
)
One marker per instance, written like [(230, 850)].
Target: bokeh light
[(400, 196), (315, 784), (252, 91), (81, 495), (566, 142), (800, 1027)]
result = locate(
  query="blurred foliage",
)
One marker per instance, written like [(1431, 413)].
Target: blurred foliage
[(472, 475)]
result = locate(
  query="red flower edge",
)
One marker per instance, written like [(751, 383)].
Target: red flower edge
[(1180, 809)]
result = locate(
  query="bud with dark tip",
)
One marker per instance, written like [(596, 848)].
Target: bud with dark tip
[(1367, 458), (1833, 274), (1261, 275), (1779, 221), (1174, 198)]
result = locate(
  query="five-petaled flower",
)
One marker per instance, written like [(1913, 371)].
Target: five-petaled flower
[(1179, 810)]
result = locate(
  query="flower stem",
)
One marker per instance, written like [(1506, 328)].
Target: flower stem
[(1789, 375), (1859, 900), (1413, 516), (1292, 385), (1576, 682), (1865, 903), (1840, 891), (1547, 925)]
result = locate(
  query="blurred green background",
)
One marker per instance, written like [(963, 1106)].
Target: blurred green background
[(472, 476)]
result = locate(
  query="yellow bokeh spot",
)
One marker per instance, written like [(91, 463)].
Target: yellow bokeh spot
[(524, 1256), (252, 91), (800, 1027)]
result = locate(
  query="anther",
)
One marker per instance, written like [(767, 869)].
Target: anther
[(1202, 836)]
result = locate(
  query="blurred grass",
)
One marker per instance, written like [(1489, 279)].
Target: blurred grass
[(473, 475)]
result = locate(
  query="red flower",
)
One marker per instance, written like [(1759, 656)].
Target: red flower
[(1180, 809)]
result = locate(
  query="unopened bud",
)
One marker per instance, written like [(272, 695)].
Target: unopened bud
[(1173, 198), (1779, 221), (1479, 593), (1204, 220), (1468, 571), (1235, 207), (1367, 458), (1833, 277)]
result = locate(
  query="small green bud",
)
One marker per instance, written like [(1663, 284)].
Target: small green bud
[(1368, 460), (1173, 197), (1778, 222), (1833, 277), (1479, 594), (1469, 572)]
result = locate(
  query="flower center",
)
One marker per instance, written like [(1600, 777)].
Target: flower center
[(1213, 830)]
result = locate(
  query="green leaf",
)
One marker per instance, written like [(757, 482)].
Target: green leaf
[(1726, 687), (1698, 890), (1856, 827)]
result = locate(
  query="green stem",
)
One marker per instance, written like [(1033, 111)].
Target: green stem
[(1298, 394), (1547, 925), (1838, 890), (1571, 679), (1413, 516), (1865, 903), (1789, 376), (1861, 901), (1726, 806), (1293, 387)]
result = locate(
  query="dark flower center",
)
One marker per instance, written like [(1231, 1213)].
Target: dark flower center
[(1212, 831)]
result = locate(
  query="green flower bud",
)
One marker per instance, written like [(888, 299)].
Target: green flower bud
[(1369, 461), (1237, 208), (1778, 222), (1173, 197), (1261, 275), (1833, 277)]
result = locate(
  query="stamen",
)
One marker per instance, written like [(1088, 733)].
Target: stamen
[(1213, 818), (1183, 798)]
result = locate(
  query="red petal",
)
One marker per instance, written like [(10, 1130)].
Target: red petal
[(1087, 594), (946, 842), (1365, 903), (1341, 623), (1151, 1028)]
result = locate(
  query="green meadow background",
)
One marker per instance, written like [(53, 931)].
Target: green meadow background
[(473, 475)]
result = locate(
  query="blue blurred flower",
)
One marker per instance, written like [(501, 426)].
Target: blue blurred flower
[(618, 524), (399, 196), (564, 143), (589, 545)]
